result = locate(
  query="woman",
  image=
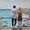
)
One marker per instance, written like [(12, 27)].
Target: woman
[(20, 18)]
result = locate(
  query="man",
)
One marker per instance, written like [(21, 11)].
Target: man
[(14, 16)]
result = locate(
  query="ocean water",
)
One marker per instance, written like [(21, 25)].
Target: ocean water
[(6, 13), (6, 22)]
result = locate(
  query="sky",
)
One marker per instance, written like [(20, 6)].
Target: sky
[(8, 4)]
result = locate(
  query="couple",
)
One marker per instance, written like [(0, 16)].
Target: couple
[(14, 12)]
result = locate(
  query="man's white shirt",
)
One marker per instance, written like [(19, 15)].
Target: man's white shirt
[(13, 13)]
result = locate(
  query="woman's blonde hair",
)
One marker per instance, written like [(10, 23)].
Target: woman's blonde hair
[(21, 10)]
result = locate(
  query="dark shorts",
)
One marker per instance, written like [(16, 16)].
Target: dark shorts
[(13, 22)]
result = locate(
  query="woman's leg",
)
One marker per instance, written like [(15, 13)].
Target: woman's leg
[(19, 24)]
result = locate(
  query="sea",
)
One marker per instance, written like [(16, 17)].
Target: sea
[(6, 22), (6, 18)]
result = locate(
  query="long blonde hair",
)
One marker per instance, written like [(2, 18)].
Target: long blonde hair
[(21, 10)]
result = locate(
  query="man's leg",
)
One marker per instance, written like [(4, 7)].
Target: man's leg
[(12, 21), (15, 21), (12, 24)]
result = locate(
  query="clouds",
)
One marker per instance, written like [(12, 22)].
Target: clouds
[(26, 3), (3, 4), (7, 4)]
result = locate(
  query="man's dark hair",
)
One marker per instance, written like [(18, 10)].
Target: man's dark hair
[(14, 6)]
